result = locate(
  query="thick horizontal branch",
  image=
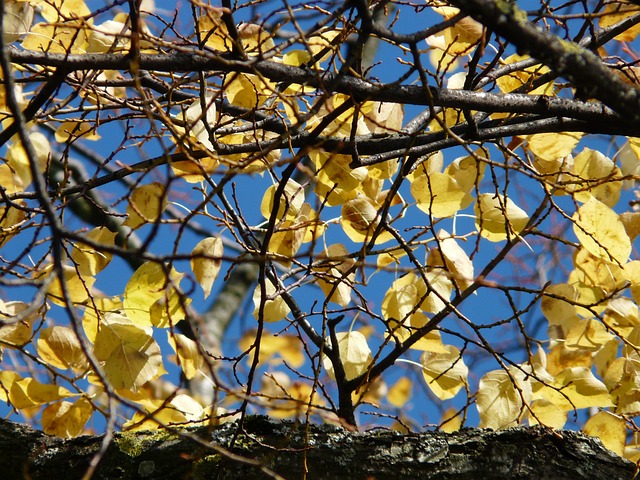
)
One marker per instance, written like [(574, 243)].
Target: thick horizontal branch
[(586, 71), (359, 88), (267, 449)]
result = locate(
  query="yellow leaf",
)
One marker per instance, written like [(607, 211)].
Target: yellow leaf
[(400, 392), (290, 202), (60, 10), (11, 221), (458, 39), (274, 309), (498, 218), (180, 410), (590, 335), (596, 273), (151, 298), (189, 356), (332, 274), (89, 261), (59, 347), (66, 38), (17, 323), (500, 404), (439, 195), (523, 78), (552, 146), (285, 346), (146, 204), (355, 354), (579, 388), (360, 220), (601, 232), (206, 261), (71, 130), (451, 421), (468, 171), (616, 12), (597, 175), (95, 311), (546, 413), (78, 287), (449, 254), (108, 37), (130, 356), (27, 392), (18, 160), (445, 373), (17, 19), (610, 429), (66, 419), (561, 358)]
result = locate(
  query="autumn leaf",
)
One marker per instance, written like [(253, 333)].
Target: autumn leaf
[(206, 262), (445, 373)]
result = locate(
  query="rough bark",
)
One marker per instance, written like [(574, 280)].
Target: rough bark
[(268, 449)]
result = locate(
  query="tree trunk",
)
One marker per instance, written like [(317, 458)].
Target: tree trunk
[(268, 449)]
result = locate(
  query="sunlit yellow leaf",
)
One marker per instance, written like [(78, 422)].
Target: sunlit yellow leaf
[(597, 273), (597, 175), (445, 373), (522, 79), (17, 323), (560, 358), (18, 16), (78, 287), (498, 218), (439, 194), (360, 220), (180, 410), (609, 428), (286, 347), (588, 335), (87, 259), (449, 254), (500, 404), (66, 419), (622, 379), (206, 261), (332, 275), (400, 392), (616, 12), (107, 37), (59, 347), (69, 37), (544, 412), (458, 39), (274, 309), (60, 10), (146, 204), (96, 310), (355, 354), (601, 232), (11, 220), (290, 202), (579, 388), (551, 146), (130, 356), (18, 160), (27, 392), (451, 421), (189, 356), (151, 298), (336, 181)]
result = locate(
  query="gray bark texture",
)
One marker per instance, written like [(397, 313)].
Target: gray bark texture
[(270, 449)]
